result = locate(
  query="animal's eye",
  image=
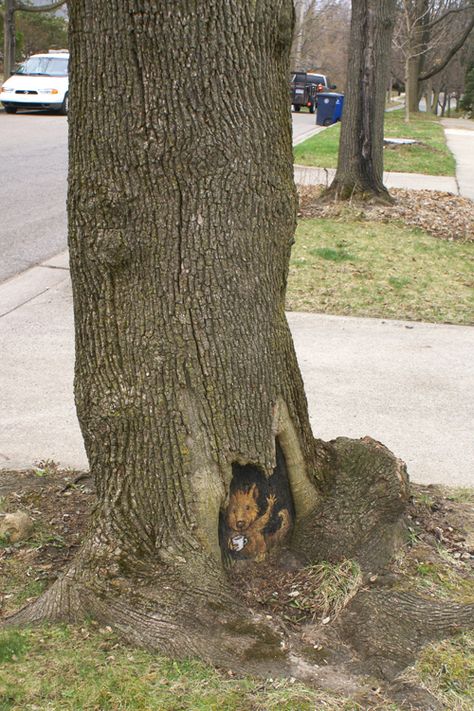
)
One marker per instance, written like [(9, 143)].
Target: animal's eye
[(248, 508)]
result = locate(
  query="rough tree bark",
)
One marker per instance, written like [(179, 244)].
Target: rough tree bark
[(360, 161), (181, 218)]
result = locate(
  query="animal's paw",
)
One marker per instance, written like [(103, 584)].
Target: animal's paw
[(271, 500)]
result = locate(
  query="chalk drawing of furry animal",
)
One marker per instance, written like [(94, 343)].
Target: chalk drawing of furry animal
[(243, 520)]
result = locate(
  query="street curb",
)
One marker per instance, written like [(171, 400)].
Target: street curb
[(26, 286), (309, 134)]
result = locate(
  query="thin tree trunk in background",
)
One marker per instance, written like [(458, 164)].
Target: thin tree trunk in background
[(9, 31), (360, 161), (407, 84), (389, 90), (412, 84), (9, 38), (418, 41), (428, 97), (300, 7)]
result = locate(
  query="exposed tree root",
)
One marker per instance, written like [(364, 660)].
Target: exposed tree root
[(169, 616), (356, 192), (388, 629), (362, 515)]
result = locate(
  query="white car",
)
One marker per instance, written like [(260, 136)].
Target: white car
[(39, 83)]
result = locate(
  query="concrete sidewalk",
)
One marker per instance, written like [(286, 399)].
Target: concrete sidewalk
[(305, 175), (410, 385), (460, 140)]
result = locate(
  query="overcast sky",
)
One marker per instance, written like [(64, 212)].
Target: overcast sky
[(62, 10)]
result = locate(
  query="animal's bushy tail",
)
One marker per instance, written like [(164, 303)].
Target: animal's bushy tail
[(281, 532)]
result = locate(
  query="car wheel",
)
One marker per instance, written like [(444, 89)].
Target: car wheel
[(311, 109), (64, 106), (296, 107), (11, 109)]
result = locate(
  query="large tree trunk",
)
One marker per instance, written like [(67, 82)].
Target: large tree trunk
[(181, 219), (360, 161)]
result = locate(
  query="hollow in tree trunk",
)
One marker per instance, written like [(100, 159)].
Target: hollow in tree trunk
[(360, 161)]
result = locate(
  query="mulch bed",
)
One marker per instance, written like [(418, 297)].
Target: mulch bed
[(60, 511)]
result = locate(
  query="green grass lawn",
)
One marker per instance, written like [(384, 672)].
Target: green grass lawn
[(431, 158), (380, 270), (67, 668)]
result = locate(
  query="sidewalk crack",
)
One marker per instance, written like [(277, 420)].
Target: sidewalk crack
[(18, 306), (52, 266)]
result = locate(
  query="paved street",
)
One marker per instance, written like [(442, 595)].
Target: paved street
[(304, 126), (33, 165)]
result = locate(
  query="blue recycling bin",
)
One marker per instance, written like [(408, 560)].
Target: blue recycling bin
[(330, 105)]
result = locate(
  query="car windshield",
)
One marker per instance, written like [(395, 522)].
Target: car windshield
[(316, 79), (44, 66), (298, 77)]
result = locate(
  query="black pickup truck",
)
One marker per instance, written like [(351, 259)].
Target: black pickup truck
[(304, 88)]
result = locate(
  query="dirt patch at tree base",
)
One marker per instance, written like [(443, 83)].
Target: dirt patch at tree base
[(442, 215), (309, 605)]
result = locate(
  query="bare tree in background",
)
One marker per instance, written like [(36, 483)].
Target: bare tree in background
[(450, 82), (321, 37), (428, 34)]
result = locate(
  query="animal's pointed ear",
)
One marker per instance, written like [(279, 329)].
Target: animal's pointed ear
[(254, 491)]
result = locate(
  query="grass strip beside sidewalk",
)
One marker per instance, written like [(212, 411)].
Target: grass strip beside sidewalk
[(371, 269), (431, 156)]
